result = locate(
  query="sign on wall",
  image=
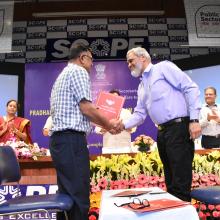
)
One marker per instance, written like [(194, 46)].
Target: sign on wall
[(6, 21), (9, 192), (102, 48), (49, 40), (203, 22)]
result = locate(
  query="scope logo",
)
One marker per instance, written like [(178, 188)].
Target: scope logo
[(103, 48)]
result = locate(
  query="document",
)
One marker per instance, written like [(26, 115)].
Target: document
[(131, 193), (156, 205), (110, 105)]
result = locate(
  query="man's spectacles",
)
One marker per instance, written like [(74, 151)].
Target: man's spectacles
[(88, 57), (136, 203)]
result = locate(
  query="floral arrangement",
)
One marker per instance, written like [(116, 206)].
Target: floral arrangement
[(24, 151), (146, 170), (208, 211), (124, 166), (143, 142)]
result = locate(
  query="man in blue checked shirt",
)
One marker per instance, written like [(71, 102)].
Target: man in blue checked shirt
[(71, 111), (171, 99)]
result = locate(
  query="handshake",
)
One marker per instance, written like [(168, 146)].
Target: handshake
[(116, 126)]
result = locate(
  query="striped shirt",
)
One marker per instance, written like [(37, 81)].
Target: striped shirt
[(72, 85)]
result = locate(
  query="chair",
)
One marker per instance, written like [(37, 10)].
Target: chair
[(207, 195), (10, 172)]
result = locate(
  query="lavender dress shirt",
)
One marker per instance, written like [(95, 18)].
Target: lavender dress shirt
[(165, 93)]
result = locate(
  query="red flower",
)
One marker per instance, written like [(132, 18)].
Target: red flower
[(207, 214), (103, 183), (122, 184), (162, 186), (94, 209), (211, 207), (114, 184), (196, 205), (202, 207), (204, 179), (217, 180), (161, 179), (139, 186), (142, 179), (132, 182), (216, 214), (195, 176), (95, 189), (92, 217), (212, 177), (93, 213), (217, 207), (202, 215)]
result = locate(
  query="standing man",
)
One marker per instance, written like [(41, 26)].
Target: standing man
[(71, 111), (210, 120), (171, 99)]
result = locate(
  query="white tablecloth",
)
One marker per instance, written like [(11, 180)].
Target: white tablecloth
[(108, 211)]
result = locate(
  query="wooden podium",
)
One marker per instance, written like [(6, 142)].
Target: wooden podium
[(39, 171)]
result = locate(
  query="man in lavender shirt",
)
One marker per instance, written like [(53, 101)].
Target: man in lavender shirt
[(171, 99)]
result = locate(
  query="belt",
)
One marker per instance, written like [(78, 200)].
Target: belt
[(212, 136), (70, 131), (172, 122)]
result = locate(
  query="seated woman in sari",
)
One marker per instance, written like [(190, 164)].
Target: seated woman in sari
[(13, 128)]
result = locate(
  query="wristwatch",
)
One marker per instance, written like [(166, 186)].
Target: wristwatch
[(194, 120)]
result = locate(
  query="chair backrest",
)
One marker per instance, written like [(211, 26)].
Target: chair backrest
[(9, 166)]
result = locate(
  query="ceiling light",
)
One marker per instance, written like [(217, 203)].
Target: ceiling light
[(95, 13)]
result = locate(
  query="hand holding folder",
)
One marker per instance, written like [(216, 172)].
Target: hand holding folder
[(110, 105)]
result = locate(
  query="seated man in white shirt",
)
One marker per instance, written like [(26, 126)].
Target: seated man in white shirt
[(210, 120), (119, 143)]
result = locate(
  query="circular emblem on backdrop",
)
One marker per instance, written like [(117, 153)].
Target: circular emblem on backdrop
[(100, 47)]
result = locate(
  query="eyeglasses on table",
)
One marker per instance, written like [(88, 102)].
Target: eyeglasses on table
[(136, 203)]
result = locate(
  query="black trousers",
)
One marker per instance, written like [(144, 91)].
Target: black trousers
[(176, 151), (71, 159), (209, 142)]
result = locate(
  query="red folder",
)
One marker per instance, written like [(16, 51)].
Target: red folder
[(156, 205), (110, 105), (131, 193)]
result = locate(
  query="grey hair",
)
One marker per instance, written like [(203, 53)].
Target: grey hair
[(139, 51)]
